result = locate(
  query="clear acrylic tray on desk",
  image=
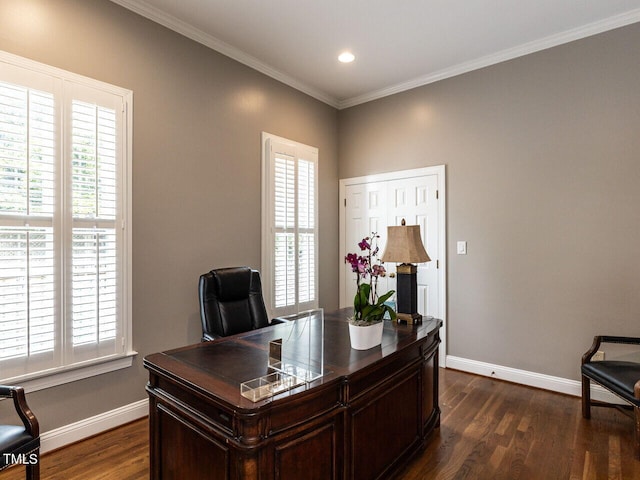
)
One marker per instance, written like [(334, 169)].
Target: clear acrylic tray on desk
[(268, 386), (295, 359)]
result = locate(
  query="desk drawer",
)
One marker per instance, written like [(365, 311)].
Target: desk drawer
[(218, 416), (303, 407)]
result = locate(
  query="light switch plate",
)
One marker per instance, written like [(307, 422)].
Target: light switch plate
[(462, 247)]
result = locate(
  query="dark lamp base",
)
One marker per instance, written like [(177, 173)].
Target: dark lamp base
[(407, 296), (409, 318)]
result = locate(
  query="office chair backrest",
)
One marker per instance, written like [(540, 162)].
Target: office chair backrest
[(231, 302)]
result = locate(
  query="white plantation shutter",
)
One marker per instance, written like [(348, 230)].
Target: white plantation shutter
[(289, 258), (94, 245), (27, 205), (63, 208), (306, 231), (94, 286), (284, 208), (27, 292)]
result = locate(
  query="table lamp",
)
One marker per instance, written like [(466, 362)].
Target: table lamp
[(404, 246)]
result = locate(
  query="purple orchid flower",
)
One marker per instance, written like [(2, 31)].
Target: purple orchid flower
[(364, 244)]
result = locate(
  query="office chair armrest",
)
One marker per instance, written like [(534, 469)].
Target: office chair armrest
[(24, 412), (208, 337), (600, 339), (277, 320)]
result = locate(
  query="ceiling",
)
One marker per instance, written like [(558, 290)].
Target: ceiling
[(398, 44)]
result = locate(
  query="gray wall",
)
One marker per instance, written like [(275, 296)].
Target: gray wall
[(543, 182), (196, 169)]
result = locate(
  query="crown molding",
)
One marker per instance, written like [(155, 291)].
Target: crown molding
[(156, 15), (588, 30), (183, 28)]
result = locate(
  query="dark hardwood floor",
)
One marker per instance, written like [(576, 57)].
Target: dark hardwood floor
[(489, 430), (496, 430)]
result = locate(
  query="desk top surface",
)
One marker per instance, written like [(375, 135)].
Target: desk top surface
[(217, 368)]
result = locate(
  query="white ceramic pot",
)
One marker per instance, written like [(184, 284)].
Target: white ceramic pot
[(365, 337)]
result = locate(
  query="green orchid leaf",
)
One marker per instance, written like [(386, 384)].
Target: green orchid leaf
[(392, 313), (367, 311), (385, 297), (365, 291)]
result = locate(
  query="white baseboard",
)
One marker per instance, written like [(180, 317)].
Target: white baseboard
[(531, 379), (88, 427)]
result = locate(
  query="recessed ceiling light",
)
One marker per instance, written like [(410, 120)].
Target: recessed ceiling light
[(346, 57)]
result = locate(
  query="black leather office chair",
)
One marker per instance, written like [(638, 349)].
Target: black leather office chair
[(20, 444), (231, 302), (619, 377)]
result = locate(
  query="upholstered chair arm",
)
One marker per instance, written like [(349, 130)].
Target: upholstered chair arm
[(600, 339), (6, 392), (24, 412), (626, 340)]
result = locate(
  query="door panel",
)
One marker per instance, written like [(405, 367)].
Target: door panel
[(416, 203), (366, 212)]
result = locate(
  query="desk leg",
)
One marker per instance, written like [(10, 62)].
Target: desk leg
[(430, 405)]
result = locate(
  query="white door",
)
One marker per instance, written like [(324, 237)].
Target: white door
[(372, 203), (415, 201), (366, 214)]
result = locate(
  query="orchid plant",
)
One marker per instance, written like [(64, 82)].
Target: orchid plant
[(368, 307)]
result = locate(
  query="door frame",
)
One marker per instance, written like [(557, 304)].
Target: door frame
[(439, 171)]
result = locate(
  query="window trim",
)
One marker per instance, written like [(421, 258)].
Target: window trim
[(47, 379), (68, 373), (267, 232)]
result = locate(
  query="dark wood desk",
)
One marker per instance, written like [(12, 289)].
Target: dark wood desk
[(364, 419)]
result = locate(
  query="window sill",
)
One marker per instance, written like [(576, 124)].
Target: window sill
[(33, 383)]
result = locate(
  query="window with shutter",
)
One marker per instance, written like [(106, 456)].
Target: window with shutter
[(64, 267), (290, 237)]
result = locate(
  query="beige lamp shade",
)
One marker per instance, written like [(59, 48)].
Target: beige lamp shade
[(404, 245)]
